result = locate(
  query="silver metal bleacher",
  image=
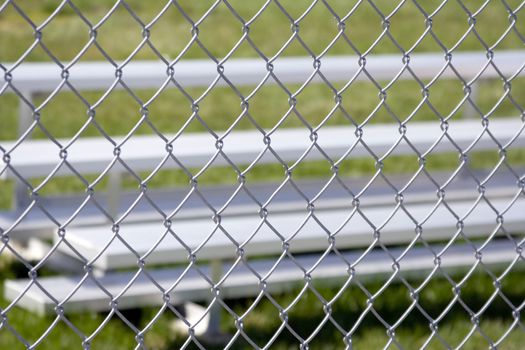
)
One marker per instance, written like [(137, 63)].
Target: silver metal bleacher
[(195, 238)]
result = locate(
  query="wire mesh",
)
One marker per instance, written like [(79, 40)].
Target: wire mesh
[(360, 29)]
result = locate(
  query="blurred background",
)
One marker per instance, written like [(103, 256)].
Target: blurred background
[(370, 28), (119, 37)]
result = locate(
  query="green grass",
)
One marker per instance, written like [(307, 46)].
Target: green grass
[(221, 30), (65, 114), (304, 317)]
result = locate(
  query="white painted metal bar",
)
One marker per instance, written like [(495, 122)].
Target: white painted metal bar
[(242, 282), (41, 77), (92, 155), (37, 224), (356, 232)]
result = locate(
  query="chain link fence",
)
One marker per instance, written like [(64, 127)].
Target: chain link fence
[(313, 174)]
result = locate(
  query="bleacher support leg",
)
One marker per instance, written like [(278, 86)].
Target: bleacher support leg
[(215, 311), (25, 118), (114, 185)]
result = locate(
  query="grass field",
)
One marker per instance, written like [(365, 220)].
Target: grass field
[(64, 115), (264, 320)]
